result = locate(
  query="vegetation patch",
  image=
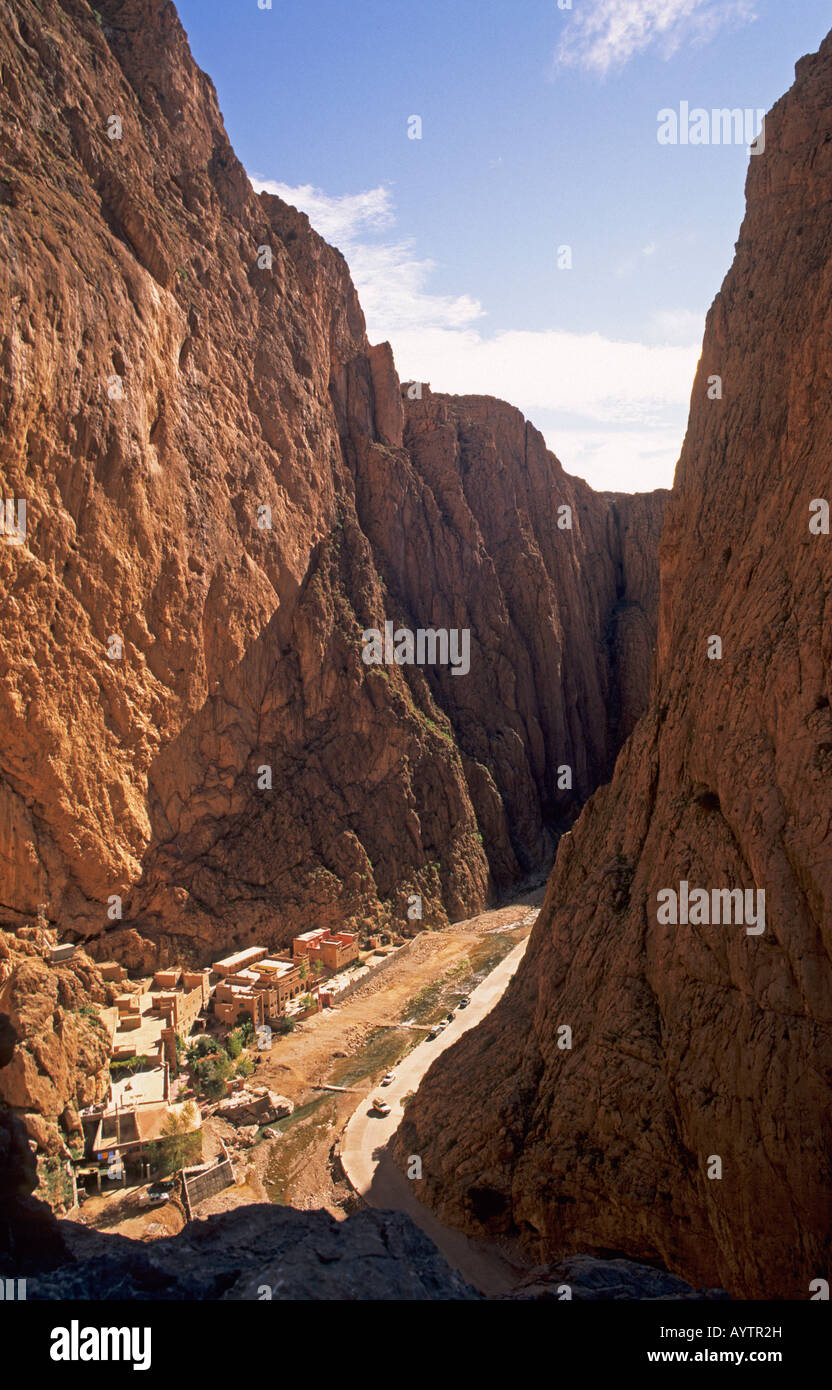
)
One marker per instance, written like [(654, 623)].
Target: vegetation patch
[(382, 1050), (436, 1000), (298, 1130)]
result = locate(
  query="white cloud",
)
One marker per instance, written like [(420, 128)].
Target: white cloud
[(586, 374), (606, 34), (618, 460), (337, 219), (391, 280), (613, 411), (391, 284), (680, 326)]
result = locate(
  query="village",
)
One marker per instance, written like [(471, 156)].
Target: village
[(186, 1043), (231, 1084)]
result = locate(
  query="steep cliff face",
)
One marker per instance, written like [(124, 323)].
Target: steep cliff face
[(476, 524), (694, 1042), (223, 490), (61, 1065), (54, 1052)]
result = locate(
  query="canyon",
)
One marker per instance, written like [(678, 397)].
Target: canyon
[(225, 486), (691, 1044)]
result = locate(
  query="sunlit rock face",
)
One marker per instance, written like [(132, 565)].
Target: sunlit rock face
[(686, 1120), (224, 489)]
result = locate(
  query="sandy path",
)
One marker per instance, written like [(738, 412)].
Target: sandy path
[(365, 1146)]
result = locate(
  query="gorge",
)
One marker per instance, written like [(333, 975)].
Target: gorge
[(691, 1043), (258, 493)]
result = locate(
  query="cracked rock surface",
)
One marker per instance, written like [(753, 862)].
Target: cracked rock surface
[(225, 487), (694, 1041)]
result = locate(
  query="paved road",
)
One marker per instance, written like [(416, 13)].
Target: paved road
[(365, 1143)]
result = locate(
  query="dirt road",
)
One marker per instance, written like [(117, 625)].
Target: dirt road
[(351, 1046), (365, 1146), (354, 1044)]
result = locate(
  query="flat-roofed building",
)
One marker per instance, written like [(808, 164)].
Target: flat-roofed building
[(231, 1000), (334, 950), (167, 979), (241, 960), (131, 1127), (283, 977), (263, 989), (308, 942), (111, 970), (198, 979), (339, 949), (180, 1007), (149, 1023), (58, 954)]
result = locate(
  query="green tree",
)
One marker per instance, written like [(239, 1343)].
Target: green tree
[(201, 1046), (244, 1067), (211, 1074), (233, 1045), (179, 1142), (245, 1026)]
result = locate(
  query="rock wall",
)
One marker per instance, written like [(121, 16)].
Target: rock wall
[(694, 1042), (223, 490), (54, 1055)]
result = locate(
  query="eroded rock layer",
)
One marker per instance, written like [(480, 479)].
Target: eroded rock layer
[(223, 490), (694, 1042)]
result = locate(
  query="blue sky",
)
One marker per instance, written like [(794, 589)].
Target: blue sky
[(539, 130)]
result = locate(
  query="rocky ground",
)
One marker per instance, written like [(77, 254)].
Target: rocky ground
[(242, 1254)]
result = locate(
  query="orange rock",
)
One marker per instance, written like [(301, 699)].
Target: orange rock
[(690, 1043), (222, 493)]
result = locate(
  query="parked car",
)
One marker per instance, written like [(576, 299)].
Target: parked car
[(450, 1017), (463, 1003), (161, 1191), (388, 1077), (434, 1033), (380, 1107)]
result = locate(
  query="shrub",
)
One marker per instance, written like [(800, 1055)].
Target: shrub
[(202, 1046), (127, 1066), (211, 1074), (245, 1027)]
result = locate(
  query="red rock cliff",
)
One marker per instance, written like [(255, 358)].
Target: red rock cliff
[(187, 721), (694, 1041)]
